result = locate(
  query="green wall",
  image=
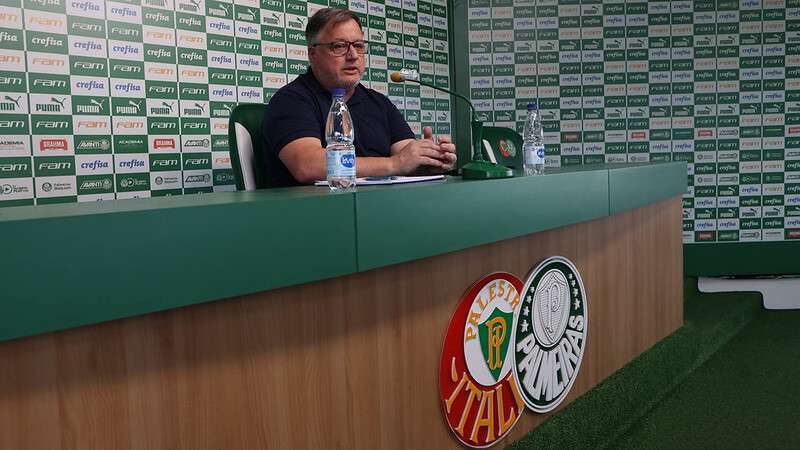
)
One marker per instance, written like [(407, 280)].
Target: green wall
[(713, 83)]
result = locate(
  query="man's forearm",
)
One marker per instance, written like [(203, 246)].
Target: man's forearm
[(366, 166), (375, 166)]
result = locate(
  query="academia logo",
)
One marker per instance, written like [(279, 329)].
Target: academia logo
[(550, 333), (14, 146), (130, 144), (478, 358)]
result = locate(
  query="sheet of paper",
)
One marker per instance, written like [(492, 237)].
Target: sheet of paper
[(368, 181)]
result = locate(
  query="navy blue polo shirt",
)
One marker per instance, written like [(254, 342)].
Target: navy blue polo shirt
[(300, 109)]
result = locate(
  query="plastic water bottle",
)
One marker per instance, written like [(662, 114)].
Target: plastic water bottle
[(340, 153), (533, 142)]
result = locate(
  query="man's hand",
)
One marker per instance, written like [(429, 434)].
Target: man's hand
[(424, 155), (446, 148)]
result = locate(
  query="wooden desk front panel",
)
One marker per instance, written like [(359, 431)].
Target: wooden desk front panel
[(350, 362)]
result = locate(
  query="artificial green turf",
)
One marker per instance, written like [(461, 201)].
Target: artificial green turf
[(605, 413), (746, 396)]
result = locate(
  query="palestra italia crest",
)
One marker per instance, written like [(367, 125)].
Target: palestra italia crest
[(477, 388)]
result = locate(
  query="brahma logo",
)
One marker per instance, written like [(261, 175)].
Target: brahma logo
[(477, 358), (164, 143), (57, 145)]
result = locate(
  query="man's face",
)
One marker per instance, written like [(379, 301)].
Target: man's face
[(337, 71)]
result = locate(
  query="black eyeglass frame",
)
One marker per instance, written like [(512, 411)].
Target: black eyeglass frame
[(347, 49)]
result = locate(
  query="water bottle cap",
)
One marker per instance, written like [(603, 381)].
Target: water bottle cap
[(532, 106), (338, 92)]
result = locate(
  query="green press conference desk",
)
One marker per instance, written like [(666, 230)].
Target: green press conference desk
[(75, 264), (243, 262)]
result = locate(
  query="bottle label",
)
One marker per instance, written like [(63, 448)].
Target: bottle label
[(539, 159), (341, 162), (533, 154)]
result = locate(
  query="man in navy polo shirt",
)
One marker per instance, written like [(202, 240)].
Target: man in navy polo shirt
[(294, 122)]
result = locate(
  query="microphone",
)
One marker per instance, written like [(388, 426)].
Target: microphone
[(478, 168), (413, 76)]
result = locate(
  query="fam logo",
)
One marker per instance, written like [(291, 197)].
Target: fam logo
[(509, 345)]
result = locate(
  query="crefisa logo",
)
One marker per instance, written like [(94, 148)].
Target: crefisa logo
[(509, 345)]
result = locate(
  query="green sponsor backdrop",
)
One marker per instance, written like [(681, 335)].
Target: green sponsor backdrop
[(105, 100), (712, 83)]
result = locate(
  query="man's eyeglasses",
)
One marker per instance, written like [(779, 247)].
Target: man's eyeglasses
[(340, 48)]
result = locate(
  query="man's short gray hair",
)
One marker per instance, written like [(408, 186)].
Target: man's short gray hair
[(325, 16)]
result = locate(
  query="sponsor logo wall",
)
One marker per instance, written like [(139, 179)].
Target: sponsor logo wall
[(105, 100), (715, 83)]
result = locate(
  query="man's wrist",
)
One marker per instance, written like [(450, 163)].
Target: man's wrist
[(394, 164)]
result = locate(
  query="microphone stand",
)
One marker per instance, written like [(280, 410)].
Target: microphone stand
[(478, 168)]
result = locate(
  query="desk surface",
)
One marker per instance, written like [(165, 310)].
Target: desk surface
[(77, 264)]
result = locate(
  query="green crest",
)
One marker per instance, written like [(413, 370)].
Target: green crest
[(495, 335)]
